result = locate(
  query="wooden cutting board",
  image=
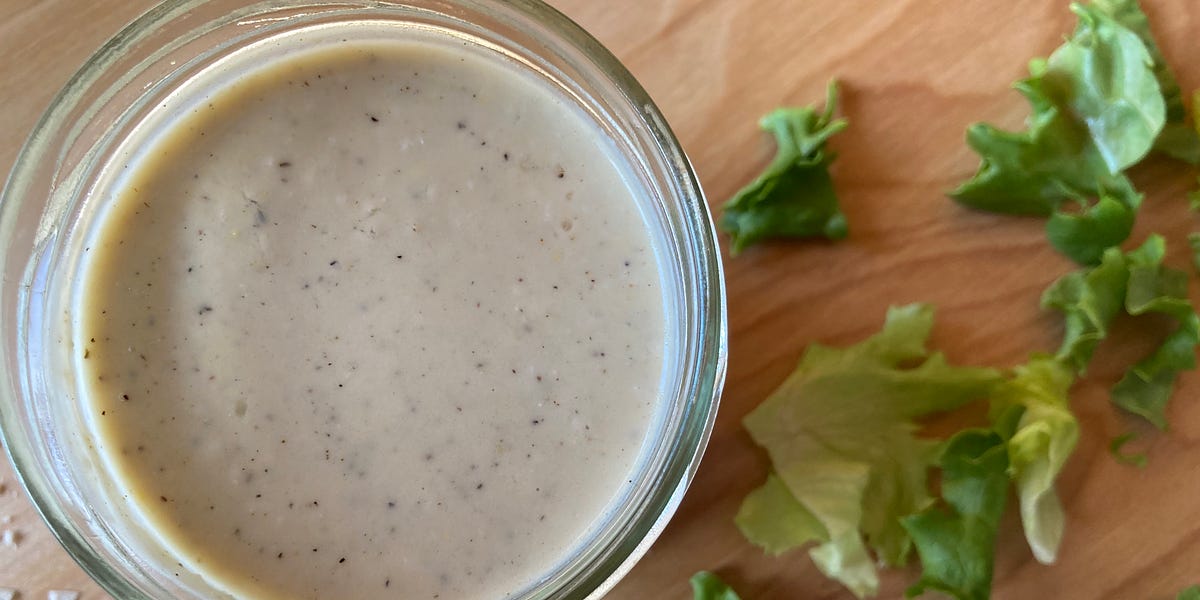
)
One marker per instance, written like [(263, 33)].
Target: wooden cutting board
[(914, 74)]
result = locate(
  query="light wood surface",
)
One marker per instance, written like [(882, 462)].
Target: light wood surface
[(914, 73)]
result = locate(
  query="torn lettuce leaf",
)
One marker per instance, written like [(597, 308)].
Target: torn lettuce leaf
[(1089, 300), (1104, 74), (1117, 449), (1178, 139), (1153, 288), (1189, 593), (1193, 240), (795, 196), (707, 586), (957, 543), (1084, 236), (1097, 109), (1136, 283), (1035, 171), (1039, 442), (1194, 196), (840, 432), (772, 518)]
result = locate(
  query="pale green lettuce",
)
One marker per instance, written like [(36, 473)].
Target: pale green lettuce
[(772, 518), (840, 432), (1178, 139), (1104, 75), (1039, 443)]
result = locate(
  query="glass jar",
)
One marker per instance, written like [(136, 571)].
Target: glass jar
[(59, 172)]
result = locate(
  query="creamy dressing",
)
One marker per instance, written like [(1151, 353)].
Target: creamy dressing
[(375, 320)]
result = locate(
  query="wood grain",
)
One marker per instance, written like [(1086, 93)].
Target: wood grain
[(914, 73)]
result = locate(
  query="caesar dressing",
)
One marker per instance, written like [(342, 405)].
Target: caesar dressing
[(381, 319)]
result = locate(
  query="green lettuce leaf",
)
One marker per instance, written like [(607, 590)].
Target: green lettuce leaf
[(1178, 139), (1194, 196), (1189, 593), (1089, 300), (1085, 235), (1153, 288), (840, 432), (957, 544), (1043, 438), (1097, 109), (794, 197), (1193, 240), (1136, 283), (1117, 449), (706, 586)]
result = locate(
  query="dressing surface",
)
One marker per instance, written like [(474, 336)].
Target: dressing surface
[(378, 317)]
